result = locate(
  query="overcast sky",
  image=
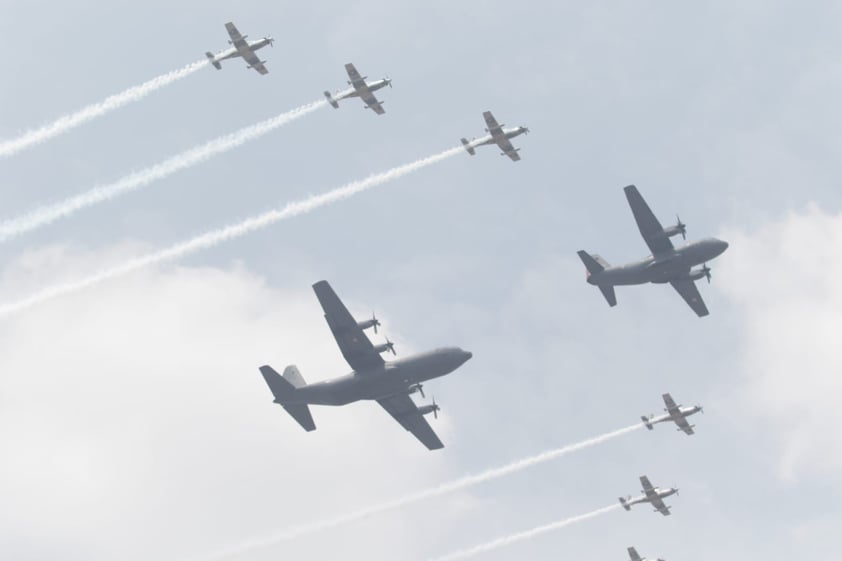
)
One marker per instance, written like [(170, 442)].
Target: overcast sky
[(134, 423)]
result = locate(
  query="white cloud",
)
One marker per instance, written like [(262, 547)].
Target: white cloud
[(784, 280), (134, 422)]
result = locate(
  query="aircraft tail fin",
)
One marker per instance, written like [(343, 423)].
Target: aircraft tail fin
[(330, 100), (646, 422), (595, 265), (283, 388), (213, 60), (468, 147), (625, 504)]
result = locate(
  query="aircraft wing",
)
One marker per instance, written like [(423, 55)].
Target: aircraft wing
[(404, 410), (371, 101), (682, 423), (646, 484), (660, 506), (355, 346), (236, 37), (507, 148), (491, 124), (650, 228), (356, 79), (688, 290), (255, 62), (633, 555), (669, 402)]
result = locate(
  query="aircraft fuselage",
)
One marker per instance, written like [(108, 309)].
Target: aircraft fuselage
[(491, 139), (663, 268), (393, 378)]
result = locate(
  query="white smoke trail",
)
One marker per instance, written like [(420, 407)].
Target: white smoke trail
[(50, 213), (522, 536), (215, 237), (444, 488), (67, 122)]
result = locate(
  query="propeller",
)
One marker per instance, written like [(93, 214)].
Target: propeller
[(390, 347), (701, 409), (706, 271), (375, 323), (271, 42), (435, 409), (421, 390), (525, 130), (389, 80), (681, 226), (676, 491)]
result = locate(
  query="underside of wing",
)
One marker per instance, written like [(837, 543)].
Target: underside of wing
[(355, 346), (649, 226), (236, 37), (372, 102), (688, 290), (491, 124), (254, 62), (684, 425), (633, 555), (507, 148), (646, 484), (405, 412), (353, 75), (660, 506), (669, 402)]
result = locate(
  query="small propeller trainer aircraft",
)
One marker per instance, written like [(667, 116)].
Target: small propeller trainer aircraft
[(241, 48), (361, 89), (653, 495), (675, 413), (389, 383), (635, 557), (666, 264), (496, 135)]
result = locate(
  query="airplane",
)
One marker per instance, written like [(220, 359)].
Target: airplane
[(360, 89), (496, 135), (241, 48), (653, 495), (676, 413), (389, 383), (666, 264), (635, 557)]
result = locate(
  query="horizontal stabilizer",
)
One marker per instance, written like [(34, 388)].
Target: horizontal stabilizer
[(646, 422), (608, 291), (468, 147), (330, 100), (213, 60), (283, 388), (625, 504)]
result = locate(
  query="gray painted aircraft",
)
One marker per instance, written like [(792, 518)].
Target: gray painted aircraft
[(675, 413), (241, 48), (361, 89), (666, 264), (635, 557), (653, 495), (389, 383), (496, 135)]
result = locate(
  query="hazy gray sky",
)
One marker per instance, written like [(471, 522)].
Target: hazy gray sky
[(134, 423)]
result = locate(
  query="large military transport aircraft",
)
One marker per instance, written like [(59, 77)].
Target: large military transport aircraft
[(388, 383), (361, 89), (635, 557), (675, 413), (667, 264), (496, 135), (653, 495), (241, 48)]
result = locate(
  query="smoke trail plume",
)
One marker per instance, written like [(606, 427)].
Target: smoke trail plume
[(50, 213), (444, 488), (72, 120), (522, 536), (215, 237)]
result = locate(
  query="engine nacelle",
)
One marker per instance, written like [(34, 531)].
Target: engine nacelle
[(427, 409), (388, 346)]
